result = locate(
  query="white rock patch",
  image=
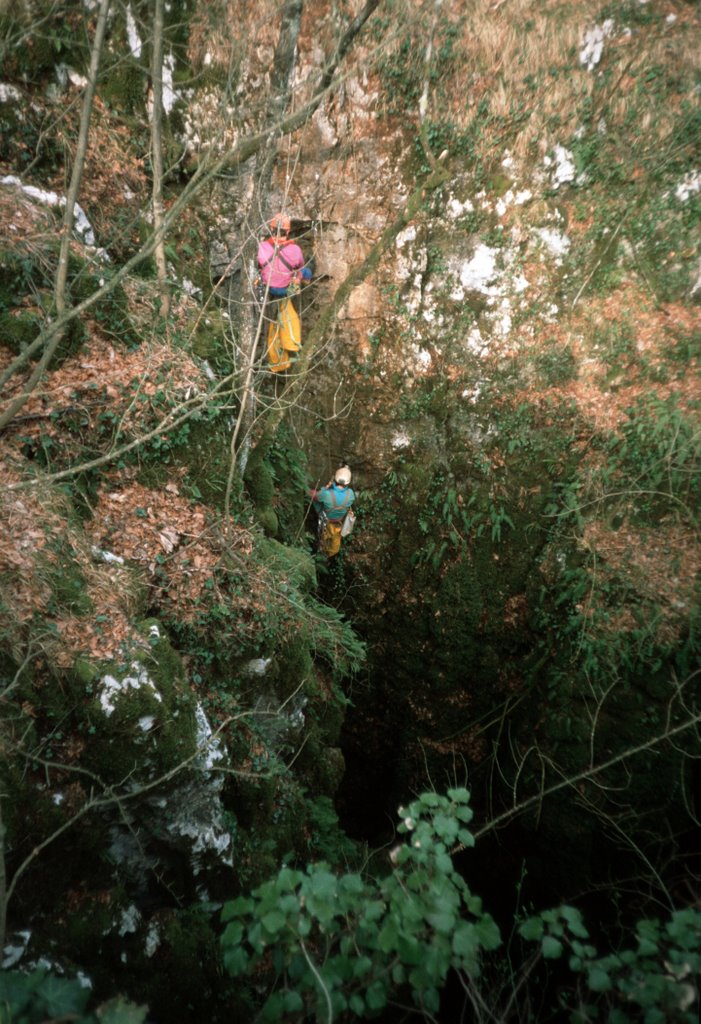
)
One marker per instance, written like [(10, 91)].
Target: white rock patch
[(456, 209), (81, 222), (129, 921), (169, 94), (479, 271), (688, 186), (400, 439), (14, 951), (112, 688), (561, 166), (9, 94), (132, 34), (593, 44), (555, 241), (153, 939)]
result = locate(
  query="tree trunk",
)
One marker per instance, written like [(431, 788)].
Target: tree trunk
[(157, 155)]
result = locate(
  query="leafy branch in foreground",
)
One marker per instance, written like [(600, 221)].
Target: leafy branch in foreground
[(655, 981), (327, 947), (346, 946)]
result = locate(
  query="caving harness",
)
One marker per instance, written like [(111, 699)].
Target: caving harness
[(285, 331), (277, 251), (336, 524)]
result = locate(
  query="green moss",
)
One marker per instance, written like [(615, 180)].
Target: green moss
[(25, 287), (291, 564), (68, 585), (556, 365), (18, 330), (294, 666), (111, 312), (322, 767), (140, 718), (210, 340), (259, 481), (31, 56), (267, 517), (499, 183), (86, 672), (124, 88)]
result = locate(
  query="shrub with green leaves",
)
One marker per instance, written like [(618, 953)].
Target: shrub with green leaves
[(342, 947), (656, 981), (40, 996)]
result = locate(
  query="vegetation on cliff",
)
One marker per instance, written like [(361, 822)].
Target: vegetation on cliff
[(502, 336)]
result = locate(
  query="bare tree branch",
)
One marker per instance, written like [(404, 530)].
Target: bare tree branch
[(67, 230)]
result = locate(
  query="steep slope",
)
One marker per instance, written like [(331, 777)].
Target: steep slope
[(501, 204)]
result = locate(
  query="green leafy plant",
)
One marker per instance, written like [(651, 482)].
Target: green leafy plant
[(655, 981), (40, 996), (342, 947)]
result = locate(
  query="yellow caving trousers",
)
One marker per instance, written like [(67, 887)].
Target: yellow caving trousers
[(284, 336), (331, 538)]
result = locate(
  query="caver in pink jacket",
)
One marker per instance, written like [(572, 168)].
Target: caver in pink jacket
[(280, 263)]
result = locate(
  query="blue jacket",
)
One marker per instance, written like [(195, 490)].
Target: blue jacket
[(334, 500)]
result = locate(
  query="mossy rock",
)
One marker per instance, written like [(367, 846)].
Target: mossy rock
[(33, 56), (259, 481), (330, 715), (201, 447), (321, 766), (499, 183), (24, 280), (295, 565), (18, 330), (293, 667), (260, 484), (267, 517), (124, 88), (141, 717), (25, 289), (111, 312), (210, 342), (66, 579)]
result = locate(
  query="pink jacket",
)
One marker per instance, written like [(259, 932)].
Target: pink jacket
[(273, 270)]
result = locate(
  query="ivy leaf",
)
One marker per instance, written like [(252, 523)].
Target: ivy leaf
[(376, 997), (120, 1011), (446, 827), (552, 948), (409, 950), (460, 796), (273, 922), (292, 1002), (235, 961), (233, 933), (531, 929), (236, 908), (442, 921), (361, 966), (62, 997), (574, 921), (387, 939), (598, 980), (357, 1004), (465, 943), (488, 932)]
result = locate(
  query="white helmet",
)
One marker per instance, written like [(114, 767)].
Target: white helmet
[(343, 476)]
